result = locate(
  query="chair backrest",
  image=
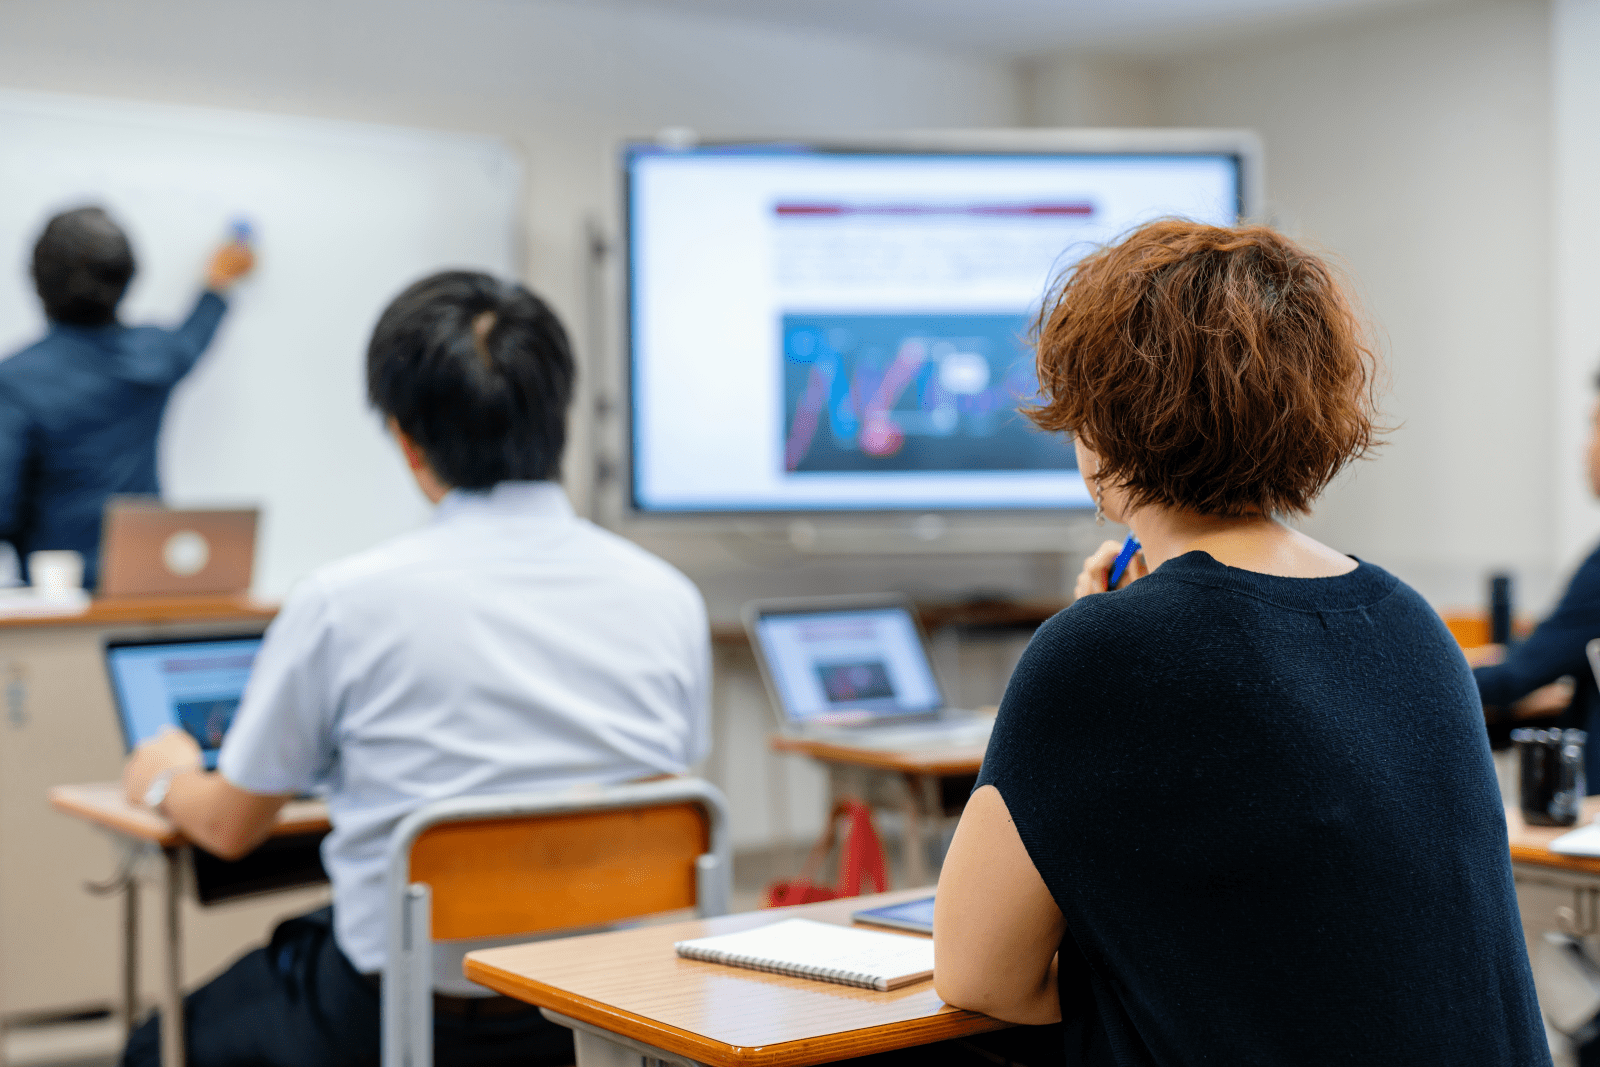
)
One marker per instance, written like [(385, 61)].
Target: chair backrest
[(1469, 628), (528, 863)]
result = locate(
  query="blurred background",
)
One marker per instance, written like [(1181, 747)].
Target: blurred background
[(1438, 150), (1444, 153)]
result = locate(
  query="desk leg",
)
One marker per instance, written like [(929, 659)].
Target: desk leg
[(915, 844), (172, 1050), (130, 954), (596, 1047)]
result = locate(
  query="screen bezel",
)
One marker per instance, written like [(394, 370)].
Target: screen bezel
[(1243, 146), (112, 644)]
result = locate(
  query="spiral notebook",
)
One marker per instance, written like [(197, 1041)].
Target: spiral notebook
[(803, 948)]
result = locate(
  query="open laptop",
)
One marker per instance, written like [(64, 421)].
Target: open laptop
[(192, 683), (855, 670), (147, 549)]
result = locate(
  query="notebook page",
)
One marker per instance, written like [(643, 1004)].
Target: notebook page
[(804, 948)]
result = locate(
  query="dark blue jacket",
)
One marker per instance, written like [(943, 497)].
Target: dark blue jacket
[(80, 415), (1555, 649)]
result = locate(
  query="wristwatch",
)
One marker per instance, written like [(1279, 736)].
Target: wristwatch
[(156, 795)]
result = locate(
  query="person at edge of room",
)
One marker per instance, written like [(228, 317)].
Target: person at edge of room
[(1241, 809), (1557, 647), (81, 409), (508, 645)]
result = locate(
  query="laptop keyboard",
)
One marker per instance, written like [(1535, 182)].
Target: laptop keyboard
[(964, 734)]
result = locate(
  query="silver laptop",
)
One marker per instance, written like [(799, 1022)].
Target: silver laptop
[(192, 683), (855, 670)]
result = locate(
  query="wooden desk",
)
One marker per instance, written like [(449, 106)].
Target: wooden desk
[(1530, 845), (151, 611), (627, 995), (1537, 870), (144, 834), (909, 781), (58, 723)]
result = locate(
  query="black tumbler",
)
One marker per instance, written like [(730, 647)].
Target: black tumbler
[(1553, 783), (1500, 609)]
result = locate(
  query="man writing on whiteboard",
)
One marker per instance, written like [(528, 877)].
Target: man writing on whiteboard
[(80, 409), (506, 646)]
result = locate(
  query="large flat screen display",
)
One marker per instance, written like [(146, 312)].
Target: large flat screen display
[(818, 330)]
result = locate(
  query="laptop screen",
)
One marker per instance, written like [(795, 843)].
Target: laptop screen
[(827, 664), (193, 685)]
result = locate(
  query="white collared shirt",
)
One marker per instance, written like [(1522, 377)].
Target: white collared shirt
[(507, 645)]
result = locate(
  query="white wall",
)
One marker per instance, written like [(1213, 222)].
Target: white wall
[(1575, 220), (1415, 148), (567, 82)]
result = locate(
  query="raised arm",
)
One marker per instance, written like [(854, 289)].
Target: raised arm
[(228, 264)]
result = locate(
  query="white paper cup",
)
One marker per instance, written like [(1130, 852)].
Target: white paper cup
[(56, 574)]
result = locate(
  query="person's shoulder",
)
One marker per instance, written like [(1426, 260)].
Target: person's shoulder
[(1589, 569), (394, 557), (638, 562), (1100, 622), (31, 371), (394, 566), (29, 360)]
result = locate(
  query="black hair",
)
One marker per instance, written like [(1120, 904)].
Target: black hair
[(82, 264), (478, 373)]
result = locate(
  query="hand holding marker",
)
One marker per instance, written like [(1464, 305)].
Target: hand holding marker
[(233, 260), (1130, 548)]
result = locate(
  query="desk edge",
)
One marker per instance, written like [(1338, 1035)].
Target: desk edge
[(1536, 856), (942, 1026)]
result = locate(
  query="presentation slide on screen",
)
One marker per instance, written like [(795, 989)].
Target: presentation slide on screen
[(831, 662), (195, 687), (816, 331)]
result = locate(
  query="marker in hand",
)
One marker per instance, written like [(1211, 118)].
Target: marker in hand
[(233, 260), (1119, 566)]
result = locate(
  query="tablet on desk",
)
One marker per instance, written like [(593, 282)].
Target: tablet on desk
[(914, 915), (193, 684)]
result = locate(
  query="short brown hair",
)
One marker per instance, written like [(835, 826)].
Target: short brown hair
[(1217, 370)]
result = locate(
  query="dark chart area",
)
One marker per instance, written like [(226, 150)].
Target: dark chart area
[(898, 393), (846, 683), (207, 720)]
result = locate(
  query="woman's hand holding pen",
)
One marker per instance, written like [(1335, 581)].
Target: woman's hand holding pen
[(1097, 568)]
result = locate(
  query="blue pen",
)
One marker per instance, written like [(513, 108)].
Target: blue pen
[(1129, 548)]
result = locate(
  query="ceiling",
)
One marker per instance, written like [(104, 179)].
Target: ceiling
[(1031, 27)]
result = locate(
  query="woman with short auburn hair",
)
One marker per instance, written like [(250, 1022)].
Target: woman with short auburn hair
[(1240, 810)]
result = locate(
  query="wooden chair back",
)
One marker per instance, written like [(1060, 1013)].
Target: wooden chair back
[(470, 868), (527, 874)]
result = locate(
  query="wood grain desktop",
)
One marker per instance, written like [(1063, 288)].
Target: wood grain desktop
[(632, 983), (155, 610), (951, 760), (103, 804), (1531, 844)]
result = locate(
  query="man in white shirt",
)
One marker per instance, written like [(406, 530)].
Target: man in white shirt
[(506, 646)]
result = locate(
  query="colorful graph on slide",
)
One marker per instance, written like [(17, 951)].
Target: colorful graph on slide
[(912, 393)]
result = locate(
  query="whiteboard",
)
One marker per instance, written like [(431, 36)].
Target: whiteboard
[(345, 216)]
